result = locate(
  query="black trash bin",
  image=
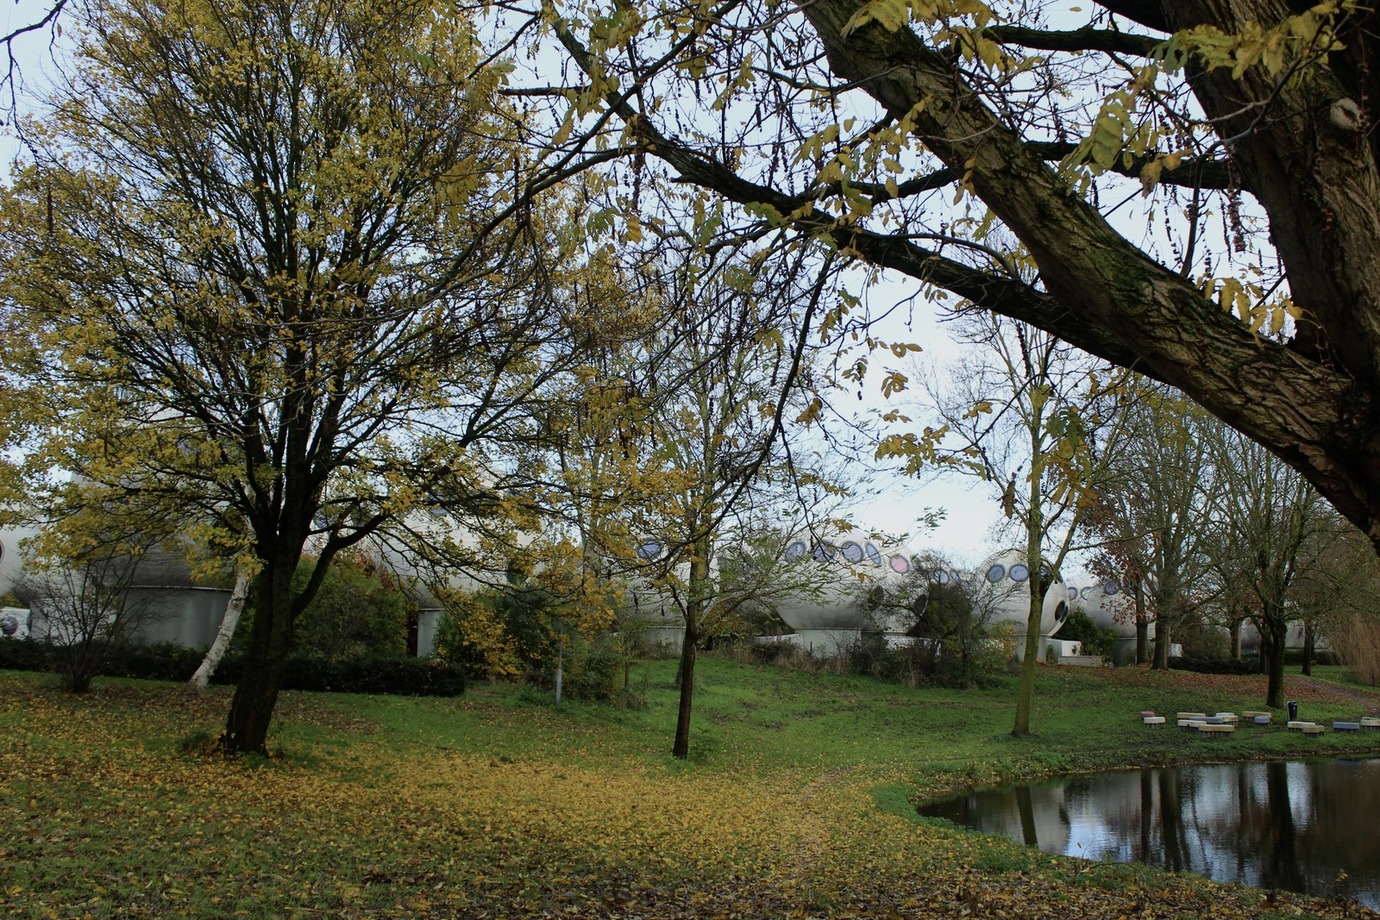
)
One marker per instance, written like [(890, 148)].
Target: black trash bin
[(1293, 711)]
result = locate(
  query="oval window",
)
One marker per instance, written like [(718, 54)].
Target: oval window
[(852, 552), (1019, 572), (874, 554), (649, 550), (900, 565), (995, 573), (795, 550), (1110, 588)]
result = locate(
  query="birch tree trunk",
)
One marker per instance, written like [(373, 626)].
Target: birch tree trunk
[(216, 652)]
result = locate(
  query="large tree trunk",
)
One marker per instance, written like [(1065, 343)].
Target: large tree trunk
[(1273, 634), (1162, 641), (265, 662), (1300, 145), (233, 609)]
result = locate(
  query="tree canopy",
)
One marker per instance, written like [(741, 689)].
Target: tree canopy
[(270, 260), (1191, 185)]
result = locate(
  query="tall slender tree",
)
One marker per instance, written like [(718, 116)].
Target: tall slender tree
[(1039, 422)]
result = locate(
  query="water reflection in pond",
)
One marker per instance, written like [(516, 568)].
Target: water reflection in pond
[(1309, 827)]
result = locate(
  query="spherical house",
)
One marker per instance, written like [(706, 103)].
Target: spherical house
[(1003, 594), (1109, 607), (841, 581)]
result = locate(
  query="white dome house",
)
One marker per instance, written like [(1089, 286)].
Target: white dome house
[(833, 614), (1003, 586)]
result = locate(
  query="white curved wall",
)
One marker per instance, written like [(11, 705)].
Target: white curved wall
[(830, 613), (1003, 587)]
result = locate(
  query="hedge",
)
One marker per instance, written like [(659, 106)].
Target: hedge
[(402, 676)]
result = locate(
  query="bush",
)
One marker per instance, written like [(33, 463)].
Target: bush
[(162, 661), (591, 669), (402, 676), (359, 611), (524, 633), (1096, 640), (925, 662), (24, 655)]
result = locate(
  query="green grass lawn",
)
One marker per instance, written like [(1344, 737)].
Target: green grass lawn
[(796, 800)]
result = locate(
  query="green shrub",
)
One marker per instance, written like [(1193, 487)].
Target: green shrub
[(359, 610), (1079, 627), (24, 655), (399, 675), (161, 661)]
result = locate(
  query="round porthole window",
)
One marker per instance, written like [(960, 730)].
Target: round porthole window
[(874, 554), (1019, 572), (900, 565), (852, 552), (649, 550), (1111, 588), (995, 573), (795, 550)]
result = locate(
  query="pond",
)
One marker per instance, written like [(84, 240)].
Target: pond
[(1305, 826)]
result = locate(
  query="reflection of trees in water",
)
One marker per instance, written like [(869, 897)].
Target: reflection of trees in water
[(1274, 825), (1279, 860), (1173, 837)]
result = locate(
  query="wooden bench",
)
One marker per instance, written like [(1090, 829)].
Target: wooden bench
[(1297, 725), (1311, 729), (1263, 718), (1346, 726), (1152, 721), (1370, 724)]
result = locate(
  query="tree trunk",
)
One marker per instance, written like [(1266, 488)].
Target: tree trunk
[(1142, 625), (1026, 698), (696, 590), (681, 747), (1235, 640), (1273, 632), (233, 608), (265, 662), (1162, 641), (1309, 640)]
